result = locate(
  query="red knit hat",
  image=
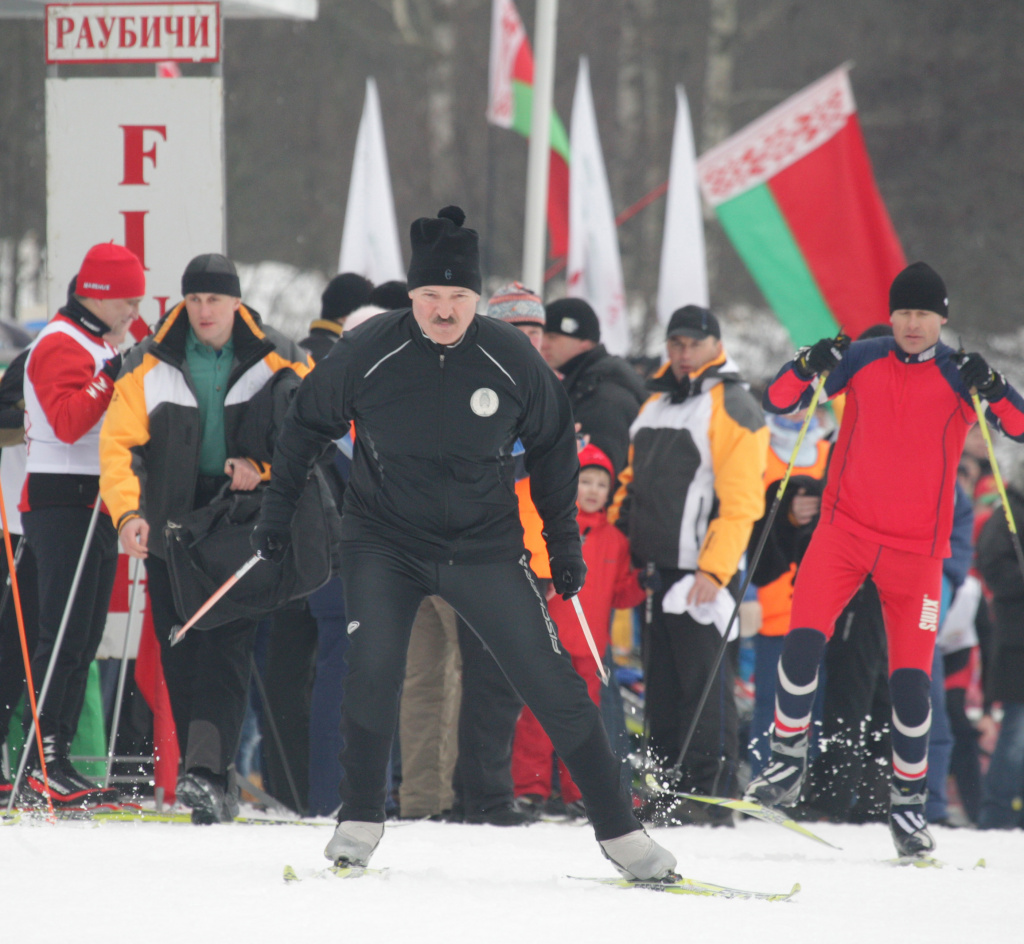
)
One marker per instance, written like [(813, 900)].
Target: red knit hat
[(110, 271), (591, 455)]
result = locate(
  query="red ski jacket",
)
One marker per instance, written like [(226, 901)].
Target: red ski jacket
[(894, 466)]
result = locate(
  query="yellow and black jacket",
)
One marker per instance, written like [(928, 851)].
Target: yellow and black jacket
[(693, 487), (149, 443)]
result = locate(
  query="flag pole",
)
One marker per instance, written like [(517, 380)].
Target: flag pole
[(540, 138)]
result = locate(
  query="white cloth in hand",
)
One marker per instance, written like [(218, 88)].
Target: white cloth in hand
[(718, 611)]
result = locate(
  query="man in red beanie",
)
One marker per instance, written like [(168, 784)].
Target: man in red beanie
[(69, 381)]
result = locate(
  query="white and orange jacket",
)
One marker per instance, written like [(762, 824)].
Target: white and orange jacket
[(693, 487), (150, 439)]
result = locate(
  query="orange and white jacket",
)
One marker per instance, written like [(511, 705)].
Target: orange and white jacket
[(693, 487), (150, 439)]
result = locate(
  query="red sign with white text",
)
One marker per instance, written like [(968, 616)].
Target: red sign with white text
[(132, 32)]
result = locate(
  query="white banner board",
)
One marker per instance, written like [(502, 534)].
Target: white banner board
[(132, 32), (139, 162)]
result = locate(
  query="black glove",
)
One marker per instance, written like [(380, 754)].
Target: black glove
[(112, 366), (975, 372), (650, 580), (568, 571), (270, 543), (822, 356)]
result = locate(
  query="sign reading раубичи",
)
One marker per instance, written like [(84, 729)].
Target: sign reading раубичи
[(132, 32)]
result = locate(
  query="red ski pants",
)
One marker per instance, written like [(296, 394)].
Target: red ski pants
[(909, 586)]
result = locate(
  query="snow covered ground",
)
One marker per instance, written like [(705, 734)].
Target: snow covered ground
[(449, 883)]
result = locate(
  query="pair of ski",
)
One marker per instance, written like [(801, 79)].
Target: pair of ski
[(673, 885)]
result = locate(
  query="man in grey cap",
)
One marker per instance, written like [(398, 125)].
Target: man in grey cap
[(690, 497), (168, 445)]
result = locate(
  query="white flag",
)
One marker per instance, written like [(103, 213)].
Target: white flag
[(684, 271), (369, 241), (594, 268)]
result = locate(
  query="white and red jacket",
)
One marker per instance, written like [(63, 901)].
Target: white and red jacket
[(66, 397)]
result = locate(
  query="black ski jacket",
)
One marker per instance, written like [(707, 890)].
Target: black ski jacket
[(432, 470)]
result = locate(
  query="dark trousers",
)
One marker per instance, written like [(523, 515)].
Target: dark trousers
[(288, 681), (57, 536), (12, 662), (502, 604), (682, 654), (207, 674), (487, 725), (328, 608)]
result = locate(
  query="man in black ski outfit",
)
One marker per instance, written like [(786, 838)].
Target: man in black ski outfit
[(439, 397)]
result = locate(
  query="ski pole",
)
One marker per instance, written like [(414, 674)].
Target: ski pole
[(34, 727), (178, 632), (986, 435), (585, 626), (751, 567), (122, 674)]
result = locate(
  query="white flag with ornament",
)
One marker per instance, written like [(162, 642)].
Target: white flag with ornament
[(684, 272), (369, 241), (594, 269)]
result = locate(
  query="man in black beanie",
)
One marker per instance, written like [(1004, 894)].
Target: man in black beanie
[(605, 392), (344, 294), (887, 511), (439, 397)]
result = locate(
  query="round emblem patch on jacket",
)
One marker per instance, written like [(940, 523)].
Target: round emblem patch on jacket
[(484, 402)]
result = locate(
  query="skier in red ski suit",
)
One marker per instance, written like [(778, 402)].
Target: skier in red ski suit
[(887, 512)]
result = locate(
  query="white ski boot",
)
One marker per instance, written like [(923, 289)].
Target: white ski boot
[(353, 842)]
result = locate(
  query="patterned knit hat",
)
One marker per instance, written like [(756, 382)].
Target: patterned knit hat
[(517, 305)]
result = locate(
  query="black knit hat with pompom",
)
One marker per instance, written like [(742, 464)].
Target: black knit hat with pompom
[(443, 252)]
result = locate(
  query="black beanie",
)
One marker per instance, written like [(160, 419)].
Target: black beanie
[(390, 295), (343, 295), (574, 318), (919, 288), (443, 253), (211, 272)]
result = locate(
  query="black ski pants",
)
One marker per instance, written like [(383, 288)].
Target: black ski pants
[(682, 656), (488, 714), (57, 536), (207, 674), (502, 604), (12, 662)]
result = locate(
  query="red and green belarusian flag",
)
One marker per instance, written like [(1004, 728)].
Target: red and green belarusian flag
[(795, 193), (510, 105)]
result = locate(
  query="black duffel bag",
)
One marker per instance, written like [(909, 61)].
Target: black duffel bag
[(206, 546)]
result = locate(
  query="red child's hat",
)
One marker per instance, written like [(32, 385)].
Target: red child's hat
[(591, 455)]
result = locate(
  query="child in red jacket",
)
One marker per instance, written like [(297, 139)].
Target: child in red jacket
[(611, 584)]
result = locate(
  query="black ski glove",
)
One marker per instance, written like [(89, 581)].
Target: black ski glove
[(270, 543), (568, 572), (822, 356), (112, 366), (975, 372)]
